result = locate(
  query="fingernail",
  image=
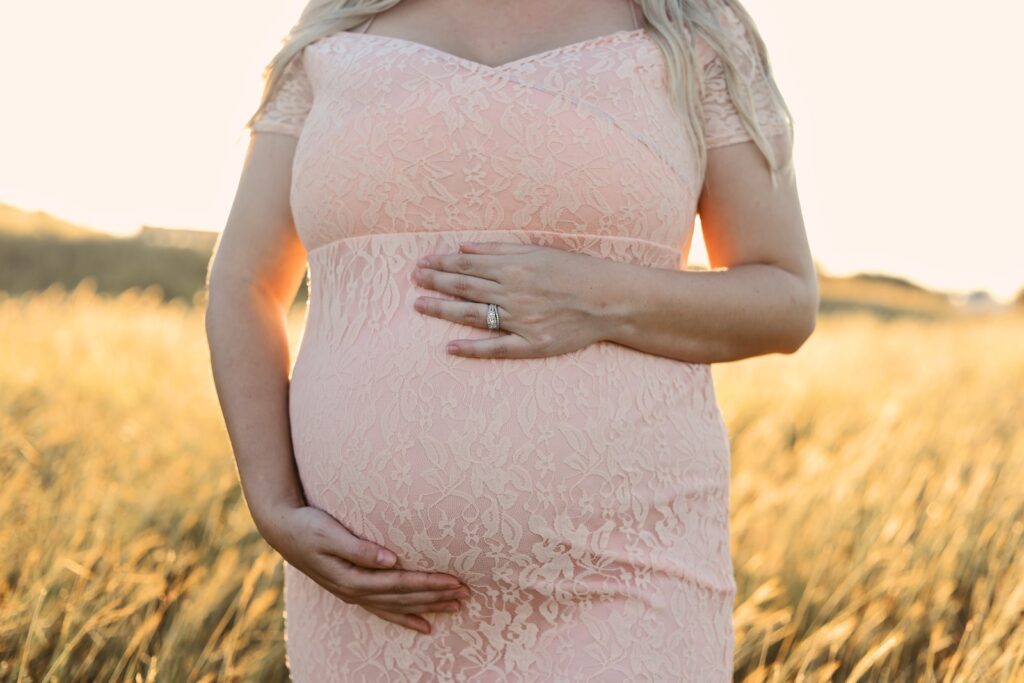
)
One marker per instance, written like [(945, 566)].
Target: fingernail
[(386, 558)]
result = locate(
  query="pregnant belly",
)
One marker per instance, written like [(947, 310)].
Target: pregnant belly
[(538, 474)]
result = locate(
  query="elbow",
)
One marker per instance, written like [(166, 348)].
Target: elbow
[(209, 299), (211, 313), (216, 287), (215, 291), (229, 293), (224, 296), (804, 318)]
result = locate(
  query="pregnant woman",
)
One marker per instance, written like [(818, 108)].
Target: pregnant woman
[(498, 456)]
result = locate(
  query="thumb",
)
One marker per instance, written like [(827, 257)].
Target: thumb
[(360, 551), (499, 247)]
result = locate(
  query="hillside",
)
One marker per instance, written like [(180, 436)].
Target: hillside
[(882, 294), (38, 250), (17, 221)]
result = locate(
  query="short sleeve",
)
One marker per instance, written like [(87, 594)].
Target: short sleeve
[(286, 110), (722, 122)]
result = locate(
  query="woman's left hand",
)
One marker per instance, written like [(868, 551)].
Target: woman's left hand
[(549, 300)]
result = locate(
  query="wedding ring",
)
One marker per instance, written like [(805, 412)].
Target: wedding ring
[(493, 321)]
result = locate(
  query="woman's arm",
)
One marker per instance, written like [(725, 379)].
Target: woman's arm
[(765, 300), (256, 270)]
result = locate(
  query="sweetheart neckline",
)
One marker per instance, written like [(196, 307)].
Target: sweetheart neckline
[(615, 36)]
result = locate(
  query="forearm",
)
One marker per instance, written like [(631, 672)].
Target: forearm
[(247, 335), (705, 316)]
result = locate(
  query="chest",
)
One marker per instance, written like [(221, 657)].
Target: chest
[(577, 138)]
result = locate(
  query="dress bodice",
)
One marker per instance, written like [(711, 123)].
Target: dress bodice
[(575, 142)]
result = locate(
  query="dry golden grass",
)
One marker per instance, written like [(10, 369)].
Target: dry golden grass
[(878, 514), (877, 528)]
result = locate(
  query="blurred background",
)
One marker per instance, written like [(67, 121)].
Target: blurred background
[(877, 516)]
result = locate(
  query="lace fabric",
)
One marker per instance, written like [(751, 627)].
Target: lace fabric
[(290, 104), (583, 497), (722, 122), (288, 108)]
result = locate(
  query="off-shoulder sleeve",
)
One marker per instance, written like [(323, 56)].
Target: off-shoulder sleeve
[(288, 107), (722, 123)]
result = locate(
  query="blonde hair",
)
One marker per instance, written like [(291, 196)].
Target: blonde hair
[(724, 24)]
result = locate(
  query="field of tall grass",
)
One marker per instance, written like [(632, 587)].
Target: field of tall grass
[(878, 504)]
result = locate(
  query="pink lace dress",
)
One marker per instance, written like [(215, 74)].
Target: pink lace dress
[(584, 498)]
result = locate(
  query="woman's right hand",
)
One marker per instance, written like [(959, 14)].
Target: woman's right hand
[(348, 566)]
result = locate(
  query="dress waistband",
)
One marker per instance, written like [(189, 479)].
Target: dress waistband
[(419, 242)]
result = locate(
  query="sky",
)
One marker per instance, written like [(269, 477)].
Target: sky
[(908, 136)]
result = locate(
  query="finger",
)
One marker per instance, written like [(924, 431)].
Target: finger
[(339, 542), (496, 247), (464, 286), (502, 346), (367, 581), (485, 266), (388, 600), (412, 621), (464, 312), (443, 606), (332, 537)]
